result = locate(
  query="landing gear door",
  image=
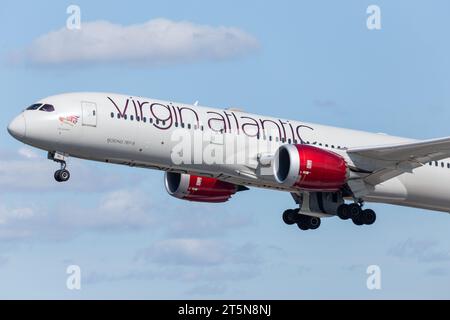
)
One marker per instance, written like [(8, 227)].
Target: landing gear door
[(89, 114)]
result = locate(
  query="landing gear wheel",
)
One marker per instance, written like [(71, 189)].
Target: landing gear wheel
[(290, 216), (343, 211), (62, 175), (303, 222), (308, 223), (303, 225), (314, 223), (355, 210), (358, 220), (56, 175), (368, 217)]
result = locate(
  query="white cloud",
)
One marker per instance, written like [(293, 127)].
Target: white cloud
[(420, 250), (186, 252), (116, 211), (15, 214), (153, 43), (123, 210), (199, 252), (204, 222), (121, 203), (28, 153)]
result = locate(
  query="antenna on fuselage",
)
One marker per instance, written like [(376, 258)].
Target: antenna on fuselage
[(196, 103)]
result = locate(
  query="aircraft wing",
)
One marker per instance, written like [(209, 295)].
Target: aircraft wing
[(388, 161)]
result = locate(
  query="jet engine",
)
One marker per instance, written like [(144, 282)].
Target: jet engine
[(309, 168), (199, 189)]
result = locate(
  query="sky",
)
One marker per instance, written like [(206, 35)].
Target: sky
[(312, 61)]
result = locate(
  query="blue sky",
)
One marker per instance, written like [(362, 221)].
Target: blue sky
[(315, 61)]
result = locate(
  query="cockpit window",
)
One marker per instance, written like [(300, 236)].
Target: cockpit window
[(34, 106), (47, 108)]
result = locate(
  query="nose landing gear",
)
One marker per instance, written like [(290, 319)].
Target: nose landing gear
[(61, 175)]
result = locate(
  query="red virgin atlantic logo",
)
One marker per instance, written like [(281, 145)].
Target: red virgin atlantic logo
[(70, 120)]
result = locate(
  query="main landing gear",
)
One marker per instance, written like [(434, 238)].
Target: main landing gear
[(318, 205), (304, 222), (352, 211), (355, 212), (61, 175)]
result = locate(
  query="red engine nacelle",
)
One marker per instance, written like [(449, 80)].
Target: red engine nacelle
[(309, 168), (199, 189)]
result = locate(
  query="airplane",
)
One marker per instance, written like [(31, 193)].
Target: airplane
[(328, 171)]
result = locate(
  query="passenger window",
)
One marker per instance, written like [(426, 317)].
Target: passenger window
[(125, 116), (131, 117), (118, 116), (442, 164), (112, 114), (189, 126), (138, 118), (436, 163), (144, 119), (47, 108)]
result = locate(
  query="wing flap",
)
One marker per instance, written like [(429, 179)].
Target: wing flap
[(389, 161)]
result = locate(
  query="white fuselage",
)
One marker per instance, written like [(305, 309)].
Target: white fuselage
[(148, 133)]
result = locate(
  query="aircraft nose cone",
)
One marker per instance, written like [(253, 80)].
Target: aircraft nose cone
[(17, 127)]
